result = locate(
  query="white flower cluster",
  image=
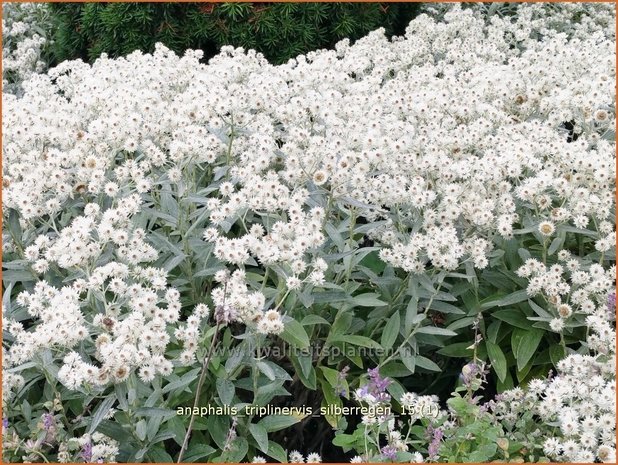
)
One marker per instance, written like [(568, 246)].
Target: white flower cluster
[(131, 332), (23, 40), (297, 457), (414, 128), (417, 407), (11, 382), (449, 137), (580, 399), (536, 20), (583, 292), (236, 303), (95, 448), (286, 242), (189, 334), (129, 328)]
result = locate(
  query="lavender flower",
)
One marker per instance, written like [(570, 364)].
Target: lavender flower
[(436, 435), (86, 452), (377, 386), (473, 375), (48, 421), (389, 452), (341, 376)]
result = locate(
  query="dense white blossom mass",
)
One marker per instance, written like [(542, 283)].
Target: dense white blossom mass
[(462, 133)]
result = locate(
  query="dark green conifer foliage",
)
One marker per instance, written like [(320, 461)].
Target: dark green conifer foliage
[(279, 30)]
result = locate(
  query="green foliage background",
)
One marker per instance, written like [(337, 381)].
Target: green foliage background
[(279, 30)]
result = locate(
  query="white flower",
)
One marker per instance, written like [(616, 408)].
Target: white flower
[(320, 177), (565, 311), (606, 454), (314, 458), (270, 323), (293, 283), (546, 228)]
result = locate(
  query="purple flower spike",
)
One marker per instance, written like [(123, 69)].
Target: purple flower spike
[(436, 435), (377, 385), (48, 421), (86, 452)]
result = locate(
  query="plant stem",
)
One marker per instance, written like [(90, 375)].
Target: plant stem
[(200, 383)]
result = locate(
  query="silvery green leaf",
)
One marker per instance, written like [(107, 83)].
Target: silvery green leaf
[(208, 271), (435, 330), (294, 333), (197, 222), (314, 320), (13, 225), (266, 370), (412, 316), (338, 256), (226, 390), (173, 262), (140, 429), (329, 296), (226, 225), (461, 323), (11, 277), (391, 331), (573, 229), (260, 435), (220, 171), (409, 360), (446, 307), (556, 244), (539, 310), (220, 133), (335, 236), (278, 422), (180, 384), (306, 297), (155, 412), (365, 228), (23, 366), (162, 243), (101, 411), (266, 393), (367, 300), (15, 265), (155, 214), (235, 359), (139, 455), (198, 451), (168, 203), (278, 371), (425, 363), (355, 203), (122, 394)]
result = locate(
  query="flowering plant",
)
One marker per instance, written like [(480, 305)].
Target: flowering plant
[(237, 237), (26, 33)]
